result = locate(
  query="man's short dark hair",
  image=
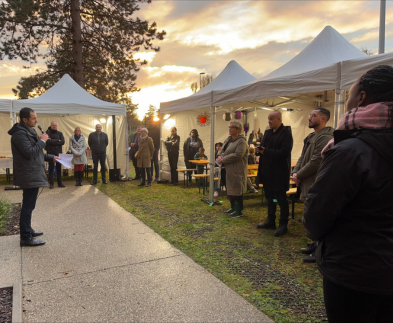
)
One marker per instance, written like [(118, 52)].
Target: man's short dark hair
[(25, 113), (324, 112)]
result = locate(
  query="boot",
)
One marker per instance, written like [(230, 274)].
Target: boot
[(237, 213), (80, 178), (311, 246), (282, 229), (76, 173), (232, 209), (51, 185), (268, 224)]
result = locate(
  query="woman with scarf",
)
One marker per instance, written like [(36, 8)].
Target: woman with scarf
[(233, 155), (145, 152), (349, 209), (190, 148), (78, 148)]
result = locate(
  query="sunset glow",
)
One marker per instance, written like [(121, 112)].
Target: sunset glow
[(205, 36)]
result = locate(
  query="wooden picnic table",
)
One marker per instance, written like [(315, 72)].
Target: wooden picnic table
[(253, 167), (200, 162)]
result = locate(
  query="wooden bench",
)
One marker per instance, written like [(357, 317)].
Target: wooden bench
[(184, 171)]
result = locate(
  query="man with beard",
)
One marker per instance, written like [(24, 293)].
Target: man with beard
[(305, 171)]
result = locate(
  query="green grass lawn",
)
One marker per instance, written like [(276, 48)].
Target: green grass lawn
[(265, 270)]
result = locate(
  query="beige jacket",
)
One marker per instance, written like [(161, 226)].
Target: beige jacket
[(308, 163), (236, 165), (146, 149)]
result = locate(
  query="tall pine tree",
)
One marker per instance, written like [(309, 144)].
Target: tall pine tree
[(93, 40)]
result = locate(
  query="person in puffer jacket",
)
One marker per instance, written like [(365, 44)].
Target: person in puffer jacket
[(349, 209)]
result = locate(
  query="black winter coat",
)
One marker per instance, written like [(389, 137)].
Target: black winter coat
[(154, 133), (54, 145), (349, 209), (275, 162), (134, 139), (172, 144), (98, 147), (28, 157)]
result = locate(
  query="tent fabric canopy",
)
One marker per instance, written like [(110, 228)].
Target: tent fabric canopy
[(5, 105), (66, 96), (231, 77)]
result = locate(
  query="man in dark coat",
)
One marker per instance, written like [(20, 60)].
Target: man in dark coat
[(274, 170), (134, 148), (154, 133), (29, 170), (98, 141), (54, 146)]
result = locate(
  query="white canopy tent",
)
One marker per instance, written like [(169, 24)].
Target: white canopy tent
[(201, 102), (71, 106), (5, 123), (328, 65)]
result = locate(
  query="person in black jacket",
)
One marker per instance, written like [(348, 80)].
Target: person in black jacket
[(172, 145), (349, 209), (190, 148), (274, 171), (29, 170), (54, 146), (98, 141), (134, 148), (154, 133)]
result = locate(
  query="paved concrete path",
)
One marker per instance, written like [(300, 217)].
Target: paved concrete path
[(101, 264)]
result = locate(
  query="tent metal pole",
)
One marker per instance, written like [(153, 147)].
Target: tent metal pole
[(212, 152), (114, 142), (127, 152), (382, 14), (336, 107), (161, 151)]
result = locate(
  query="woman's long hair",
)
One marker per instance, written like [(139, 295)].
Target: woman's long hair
[(196, 133), (378, 85)]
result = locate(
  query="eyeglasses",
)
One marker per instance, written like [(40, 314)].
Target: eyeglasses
[(312, 115), (232, 127)]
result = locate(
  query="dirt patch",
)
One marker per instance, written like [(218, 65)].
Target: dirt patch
[(11, 227), (6, 304)]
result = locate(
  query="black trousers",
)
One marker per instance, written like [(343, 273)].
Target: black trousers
[(282, 201), (99, 158), (51, 169), (154, 162), (190, 166), (28, 205), (345, 305), (135, 163), (144, 172), (173, 157), (239, 199)]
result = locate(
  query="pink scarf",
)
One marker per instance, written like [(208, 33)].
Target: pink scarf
[(373, 116)]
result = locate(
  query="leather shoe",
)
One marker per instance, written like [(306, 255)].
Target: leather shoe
[(135, 178), (309, 259), (105, 181), (60, 184), (267, 225), (93, 183), (309, 249), (36, 233), (51, 185), (148, 184), (142, 184), (282, 229), (31, 243)]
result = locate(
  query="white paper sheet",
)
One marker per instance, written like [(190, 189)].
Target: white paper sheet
[(65, 160)]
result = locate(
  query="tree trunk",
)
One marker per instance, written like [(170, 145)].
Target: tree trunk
[(77, 42)]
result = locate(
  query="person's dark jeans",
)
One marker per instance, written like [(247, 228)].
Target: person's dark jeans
[(154, 162), (173, 157), (144, 172), (28, 205), (135, 163), (345, 305), (282, 201), (99, 158), (51, 169), (190, 166)]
